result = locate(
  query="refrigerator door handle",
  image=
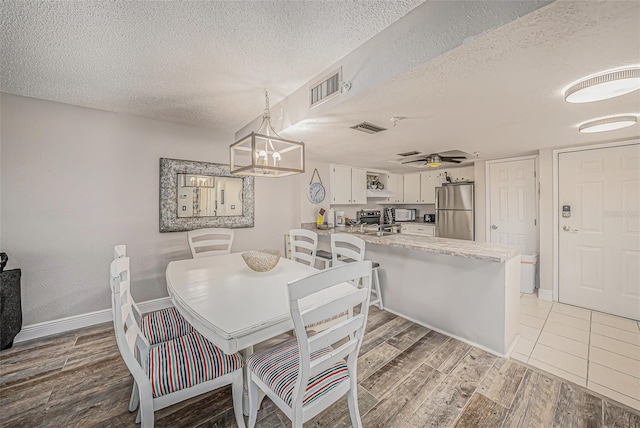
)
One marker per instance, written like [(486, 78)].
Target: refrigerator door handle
[(437, 229)]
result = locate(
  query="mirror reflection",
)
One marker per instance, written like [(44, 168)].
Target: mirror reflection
[(209, 196)]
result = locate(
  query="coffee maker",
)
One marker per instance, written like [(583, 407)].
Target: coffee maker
[(340, 222)]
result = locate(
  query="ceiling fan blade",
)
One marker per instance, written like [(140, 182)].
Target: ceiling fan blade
[(457, 159), (417, 160)]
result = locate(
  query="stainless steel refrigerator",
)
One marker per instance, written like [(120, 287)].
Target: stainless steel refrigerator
[(455, 215)]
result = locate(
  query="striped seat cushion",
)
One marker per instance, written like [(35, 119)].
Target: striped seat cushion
[(187, 361), (278, 368), (165, 324)]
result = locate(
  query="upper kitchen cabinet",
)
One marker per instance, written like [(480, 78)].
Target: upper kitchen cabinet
[(348, 185), (395, 184), (429, 180), (466, 173), (412, 188)]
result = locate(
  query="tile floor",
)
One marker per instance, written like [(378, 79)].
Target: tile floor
[(592, 349)]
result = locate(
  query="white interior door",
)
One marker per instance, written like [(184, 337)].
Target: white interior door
[(512, 202), (599, 239)]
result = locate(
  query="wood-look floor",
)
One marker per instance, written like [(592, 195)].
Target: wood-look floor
[(408, 375)]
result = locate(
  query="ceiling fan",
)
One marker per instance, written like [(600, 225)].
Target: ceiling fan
[(434, 160)]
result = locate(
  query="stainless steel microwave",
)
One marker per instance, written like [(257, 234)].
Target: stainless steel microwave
[(406, 214)]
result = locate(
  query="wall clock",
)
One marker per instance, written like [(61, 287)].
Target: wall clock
[(316, 191)]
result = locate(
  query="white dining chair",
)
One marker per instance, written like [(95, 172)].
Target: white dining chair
[(210, 242), (305, 376), (172, 371), (304, 245), (347, 248), (157, 326)]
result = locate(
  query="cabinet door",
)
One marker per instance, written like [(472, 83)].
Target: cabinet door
[(428, 183), (358, 186), (412, 188), (341, 184), (395, 184)]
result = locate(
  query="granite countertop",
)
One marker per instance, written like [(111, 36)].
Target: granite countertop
[(490, 252)]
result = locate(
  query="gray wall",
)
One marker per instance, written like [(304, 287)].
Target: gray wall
[(77, 181)]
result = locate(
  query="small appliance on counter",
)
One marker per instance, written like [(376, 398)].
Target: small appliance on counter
[(369, 216), (429, 218), (402, 214), (340, 219)]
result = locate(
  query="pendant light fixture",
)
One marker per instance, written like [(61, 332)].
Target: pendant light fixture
[(604, 86), (264, 153), (607, 124)]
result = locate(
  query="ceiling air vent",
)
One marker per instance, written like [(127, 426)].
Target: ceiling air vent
[(326, 88), (368, 128), (405, 154)]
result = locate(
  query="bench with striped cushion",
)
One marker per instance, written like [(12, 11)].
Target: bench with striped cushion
[(187, 361), (163, 325), (278, 368)]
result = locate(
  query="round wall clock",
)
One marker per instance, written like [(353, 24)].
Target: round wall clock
[(316, 191)]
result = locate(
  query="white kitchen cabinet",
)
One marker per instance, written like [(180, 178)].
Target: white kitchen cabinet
[(429, 180), (418, 229), (412, 188), (395, 184), (466, 173), (348, 185), (340, 177), (358, 186)]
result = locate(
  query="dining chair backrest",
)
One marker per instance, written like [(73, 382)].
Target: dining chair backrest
[(210, 242), (351, 328), (119, 251), (345, 246), (132, 344), (304, 245)]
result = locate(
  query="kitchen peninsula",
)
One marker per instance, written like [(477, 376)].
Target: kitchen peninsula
[(469, 290)]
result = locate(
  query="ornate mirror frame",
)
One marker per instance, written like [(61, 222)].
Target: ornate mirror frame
[(169, 220)]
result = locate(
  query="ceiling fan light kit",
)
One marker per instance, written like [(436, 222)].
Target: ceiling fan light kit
[(607, 124), (264, 153)]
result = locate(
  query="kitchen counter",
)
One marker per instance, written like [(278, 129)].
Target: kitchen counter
[(490, 252), (467, 290)]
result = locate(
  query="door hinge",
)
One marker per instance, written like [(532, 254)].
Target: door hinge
[(535, 222), (534, 172)]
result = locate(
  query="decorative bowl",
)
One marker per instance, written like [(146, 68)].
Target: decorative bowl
[(261, 260)]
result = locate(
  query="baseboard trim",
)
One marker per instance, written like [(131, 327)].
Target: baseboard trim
[(545, 294), (48, 328), (461, 339)]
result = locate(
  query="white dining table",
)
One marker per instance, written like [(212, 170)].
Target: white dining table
[(235, 307)]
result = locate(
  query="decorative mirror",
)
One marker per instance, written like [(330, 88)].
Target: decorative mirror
[(196, 195)]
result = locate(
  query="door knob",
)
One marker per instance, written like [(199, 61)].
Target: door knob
[(494, 227), (569, 229)]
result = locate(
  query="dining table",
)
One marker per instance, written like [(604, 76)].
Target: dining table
[(235, 307)]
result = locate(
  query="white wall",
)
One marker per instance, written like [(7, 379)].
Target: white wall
[(76, 181)]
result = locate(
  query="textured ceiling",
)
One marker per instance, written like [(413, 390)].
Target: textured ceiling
[(500, 94), (192, 62)]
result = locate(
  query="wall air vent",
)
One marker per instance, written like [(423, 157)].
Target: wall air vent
[(326, 88), (368, 128), (405, 154)]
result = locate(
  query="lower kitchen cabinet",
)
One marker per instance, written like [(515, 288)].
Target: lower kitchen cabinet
[(419, 229)]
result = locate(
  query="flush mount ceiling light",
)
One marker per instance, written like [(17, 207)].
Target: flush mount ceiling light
[(604, 86), (607, 124), (264, 153)]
